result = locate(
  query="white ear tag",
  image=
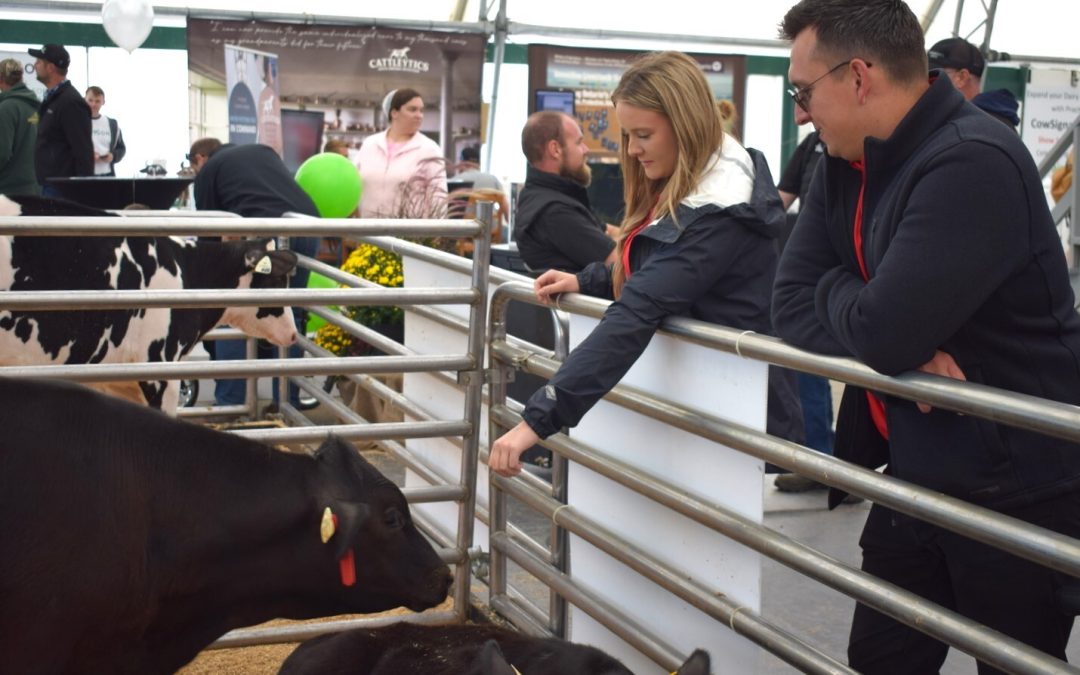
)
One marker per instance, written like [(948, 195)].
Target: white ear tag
[(327, 527), (271, 245), (264, 265)]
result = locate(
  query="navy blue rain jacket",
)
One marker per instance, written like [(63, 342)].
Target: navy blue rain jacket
[(716, 265)]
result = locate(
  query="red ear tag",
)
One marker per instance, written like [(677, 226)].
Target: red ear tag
[(347, 564)]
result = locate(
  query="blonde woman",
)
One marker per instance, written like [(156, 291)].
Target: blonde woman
[(698, 239)]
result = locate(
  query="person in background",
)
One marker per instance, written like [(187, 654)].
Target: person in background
[(469, 170), (18, 131), (1001, 104), (554, 225), (925, 244), (698, 239), (251, 181), (403, 170), (109, 145), (338, 145), (962, 63), (64, 146)]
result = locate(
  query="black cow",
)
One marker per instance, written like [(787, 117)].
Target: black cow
[(130, 263), (131, 540), (455, 650)]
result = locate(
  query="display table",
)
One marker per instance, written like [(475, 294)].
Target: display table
[(109, 192)]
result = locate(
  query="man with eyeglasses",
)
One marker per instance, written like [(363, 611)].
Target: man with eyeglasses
[(925, 243)]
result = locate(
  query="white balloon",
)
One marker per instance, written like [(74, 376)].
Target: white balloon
[(128, 22)]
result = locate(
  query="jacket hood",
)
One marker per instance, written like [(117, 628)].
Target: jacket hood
[(1000, 103), (23, 93), (737, 182)]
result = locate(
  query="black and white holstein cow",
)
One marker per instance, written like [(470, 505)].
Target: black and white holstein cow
[(29, 338), (456, 650), (131, 540)]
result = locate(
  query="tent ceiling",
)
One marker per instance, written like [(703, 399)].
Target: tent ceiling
[(1021, 27)]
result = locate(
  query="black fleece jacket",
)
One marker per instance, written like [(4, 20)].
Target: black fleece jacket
[(65, 146), (554, 226), (962, 257)]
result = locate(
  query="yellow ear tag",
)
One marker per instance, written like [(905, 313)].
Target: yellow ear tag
[(264, 265), (326, 527)]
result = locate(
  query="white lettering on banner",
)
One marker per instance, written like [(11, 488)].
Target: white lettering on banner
[(399, 61)]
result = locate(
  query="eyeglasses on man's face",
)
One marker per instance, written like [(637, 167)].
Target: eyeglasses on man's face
[(801, 95)]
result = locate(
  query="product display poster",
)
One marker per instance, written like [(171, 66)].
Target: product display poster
[(1051, 105), (240, 82), (590, 75)]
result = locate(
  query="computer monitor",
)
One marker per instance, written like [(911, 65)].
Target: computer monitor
[(555, 99), (302, 132)]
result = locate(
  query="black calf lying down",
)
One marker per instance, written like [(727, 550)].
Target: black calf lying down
[(404, 648)]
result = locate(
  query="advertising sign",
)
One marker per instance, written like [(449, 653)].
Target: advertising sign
[(592, 74), (343, 71)]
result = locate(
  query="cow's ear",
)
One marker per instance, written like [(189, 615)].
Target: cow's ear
[(699, 663), (283, 262), (351, 519), (341, 458), (490, 661), (272, 263)]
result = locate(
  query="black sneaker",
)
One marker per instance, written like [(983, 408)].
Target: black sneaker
[(793, 482)]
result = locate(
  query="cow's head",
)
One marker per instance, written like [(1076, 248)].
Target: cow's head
[(261, 266), (395, 565)]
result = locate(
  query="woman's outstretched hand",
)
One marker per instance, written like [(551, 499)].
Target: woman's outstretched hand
[(505, 456), (552, 283)]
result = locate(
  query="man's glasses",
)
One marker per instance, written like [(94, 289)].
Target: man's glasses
[(801, 95)]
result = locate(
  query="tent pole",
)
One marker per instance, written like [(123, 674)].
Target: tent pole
[(500, 53)]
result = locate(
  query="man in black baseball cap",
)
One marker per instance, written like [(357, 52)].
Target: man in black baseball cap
[(962, 63), (54, 54), (65, 145)]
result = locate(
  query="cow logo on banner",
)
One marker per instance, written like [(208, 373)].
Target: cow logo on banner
[(399, 61)]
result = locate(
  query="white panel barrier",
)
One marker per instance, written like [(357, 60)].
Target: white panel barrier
[(439, 397), (712, 382), (692, 375)]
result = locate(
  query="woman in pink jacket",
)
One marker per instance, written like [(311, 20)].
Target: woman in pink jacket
[(403, 170)]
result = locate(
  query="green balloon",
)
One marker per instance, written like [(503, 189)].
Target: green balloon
[(316, 280), (332, 182)]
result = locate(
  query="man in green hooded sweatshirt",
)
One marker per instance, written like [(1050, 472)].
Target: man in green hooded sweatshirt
[(18, 131)]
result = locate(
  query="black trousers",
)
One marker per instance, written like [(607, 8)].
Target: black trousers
[(997, 589)]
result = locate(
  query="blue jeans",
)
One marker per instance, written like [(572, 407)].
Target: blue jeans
[(231, 392), (816, 399)]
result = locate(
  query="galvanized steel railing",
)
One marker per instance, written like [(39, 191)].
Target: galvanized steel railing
[(467, 366), (1040, 545)]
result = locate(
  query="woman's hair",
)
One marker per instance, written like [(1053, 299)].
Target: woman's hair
[(400, 97), (670, 83), (337, 145)]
